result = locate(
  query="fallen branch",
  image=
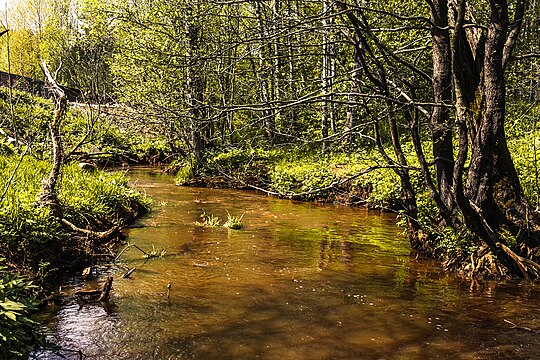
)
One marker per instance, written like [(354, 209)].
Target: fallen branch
[(127, 248), (524, 328), (128, 273), (95, 234)]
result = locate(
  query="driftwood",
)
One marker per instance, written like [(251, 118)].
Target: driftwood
[(128, 273), (127, 248), (523, 328), (97, 295)]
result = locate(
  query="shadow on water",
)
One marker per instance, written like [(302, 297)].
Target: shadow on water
[(299, 281)]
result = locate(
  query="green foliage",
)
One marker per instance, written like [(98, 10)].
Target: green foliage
[(19, 332), (524, 144), (448, 241), (98, 197), (305, 173), (30, 234), (233, 222), (184, 174), (209, 220)]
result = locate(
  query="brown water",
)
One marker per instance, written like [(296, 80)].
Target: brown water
[(299, 281)]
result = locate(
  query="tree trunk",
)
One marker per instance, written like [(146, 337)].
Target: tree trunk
[(48, 195), (194, 88), (441, 128), (493, 184), (326, 77), (264, 75)]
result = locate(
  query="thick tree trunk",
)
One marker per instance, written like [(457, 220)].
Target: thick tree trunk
[(492, 183), (441, 127)]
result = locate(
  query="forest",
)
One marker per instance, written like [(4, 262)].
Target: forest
[(428, 109)]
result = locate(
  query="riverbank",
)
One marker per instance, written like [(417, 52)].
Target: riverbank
[(364, 178), (37, 249)]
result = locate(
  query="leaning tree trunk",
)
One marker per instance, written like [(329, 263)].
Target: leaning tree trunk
[(48, 195)]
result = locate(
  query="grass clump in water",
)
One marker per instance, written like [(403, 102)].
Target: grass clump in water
[(209, 220), (233, 222), (155, 253)]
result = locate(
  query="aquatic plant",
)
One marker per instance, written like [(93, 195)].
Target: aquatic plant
[(209, 220), (155, 253), (233, 222)]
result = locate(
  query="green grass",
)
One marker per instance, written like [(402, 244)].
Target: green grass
[(233, 222), (209, 220), (29, 233)]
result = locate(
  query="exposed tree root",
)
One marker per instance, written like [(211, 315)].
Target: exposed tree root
[(99, 235), (529, 268)]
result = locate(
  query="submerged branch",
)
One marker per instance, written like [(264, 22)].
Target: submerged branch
[(127, 248)]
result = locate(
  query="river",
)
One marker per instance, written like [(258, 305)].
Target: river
[(298, 281)]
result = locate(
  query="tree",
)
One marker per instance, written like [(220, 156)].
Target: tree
[(467, 83)]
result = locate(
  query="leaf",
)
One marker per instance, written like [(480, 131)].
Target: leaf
[(12, 305), (10, 315)]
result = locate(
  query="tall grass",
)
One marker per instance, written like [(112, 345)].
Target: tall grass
[(30, 235)]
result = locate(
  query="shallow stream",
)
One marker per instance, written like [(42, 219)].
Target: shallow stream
[(298, 281)]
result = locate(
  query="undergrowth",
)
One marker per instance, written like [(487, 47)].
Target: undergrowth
[(29, 233)]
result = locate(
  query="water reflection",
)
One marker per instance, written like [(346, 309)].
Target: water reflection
[(300, 281)]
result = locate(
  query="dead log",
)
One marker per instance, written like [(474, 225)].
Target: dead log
[(98, 294)]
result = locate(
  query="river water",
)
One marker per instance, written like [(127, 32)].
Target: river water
[(298, 281)]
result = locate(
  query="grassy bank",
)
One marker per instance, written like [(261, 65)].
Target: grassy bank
[(36, 247), (34, 244), (33, 239)]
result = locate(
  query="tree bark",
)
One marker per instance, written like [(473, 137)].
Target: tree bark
[(48, 195), (440, 124), (194, 87), (492, 182)]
